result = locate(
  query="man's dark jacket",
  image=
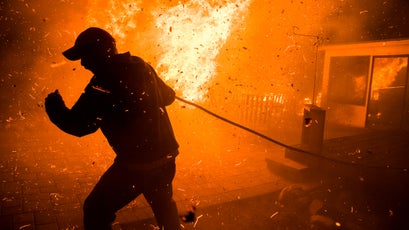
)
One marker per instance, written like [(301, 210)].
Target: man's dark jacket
[(127, 100)]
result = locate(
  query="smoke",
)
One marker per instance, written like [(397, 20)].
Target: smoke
[(33, 34), (358, 21)]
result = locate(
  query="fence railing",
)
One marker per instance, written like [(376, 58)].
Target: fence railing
[(255, 110)]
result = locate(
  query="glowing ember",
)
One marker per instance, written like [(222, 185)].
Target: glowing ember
[(190, 35)]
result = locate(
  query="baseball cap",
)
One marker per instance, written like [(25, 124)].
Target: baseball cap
[(90, 39)]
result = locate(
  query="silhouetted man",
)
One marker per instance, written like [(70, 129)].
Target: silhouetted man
[(126, 100)]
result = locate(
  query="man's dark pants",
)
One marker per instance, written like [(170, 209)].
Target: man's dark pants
[(121, 184)]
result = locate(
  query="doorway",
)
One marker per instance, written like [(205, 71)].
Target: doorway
[(388, 93)]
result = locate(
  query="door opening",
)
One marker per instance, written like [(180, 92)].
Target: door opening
[(388, 93)]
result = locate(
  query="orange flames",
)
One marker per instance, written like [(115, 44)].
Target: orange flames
[(386, 70), (385, 73), (188, 36)]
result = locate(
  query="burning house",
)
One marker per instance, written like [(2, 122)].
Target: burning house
[(365, 85), (360, 88)]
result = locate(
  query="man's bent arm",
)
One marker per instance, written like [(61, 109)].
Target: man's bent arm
[(78, 121)]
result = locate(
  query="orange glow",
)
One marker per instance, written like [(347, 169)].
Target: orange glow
[(386, 71), (197, 44), (219, 52), (189, 36)]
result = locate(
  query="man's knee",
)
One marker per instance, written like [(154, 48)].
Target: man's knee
[(96, 216)]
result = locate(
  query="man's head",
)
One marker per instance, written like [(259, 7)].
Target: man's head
[(93, 46)]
